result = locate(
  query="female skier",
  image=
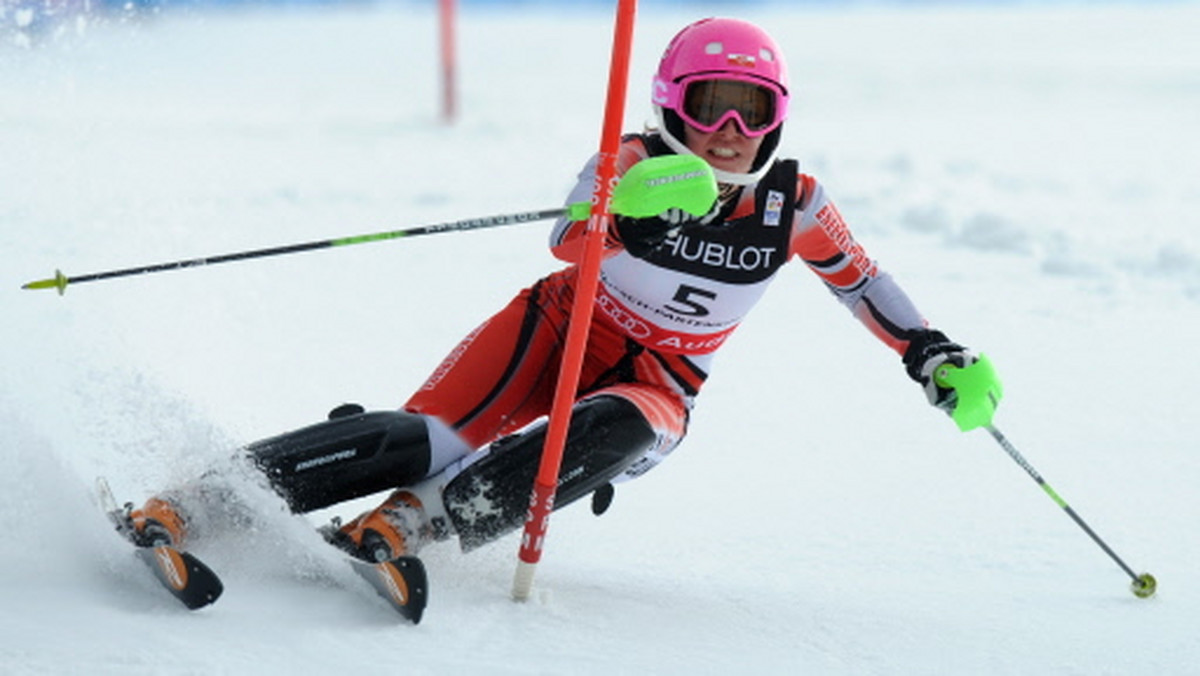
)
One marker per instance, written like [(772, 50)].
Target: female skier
[(461, 454)]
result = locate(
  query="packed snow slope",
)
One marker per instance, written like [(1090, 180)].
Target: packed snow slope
[(1028, 174)]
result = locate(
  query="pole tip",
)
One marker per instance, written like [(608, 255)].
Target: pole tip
[(1144, 586), (523, 580), (58, 281)]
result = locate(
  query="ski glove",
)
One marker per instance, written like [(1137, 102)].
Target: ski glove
[(927, 351), (641, 236)]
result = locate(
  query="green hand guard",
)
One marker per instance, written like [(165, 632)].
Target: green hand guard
[(657, 184), (978, 389)]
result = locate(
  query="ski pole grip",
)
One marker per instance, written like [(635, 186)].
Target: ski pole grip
[(978, 391)]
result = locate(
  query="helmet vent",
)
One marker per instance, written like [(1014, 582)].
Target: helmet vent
[(714, 48), (766, 54)]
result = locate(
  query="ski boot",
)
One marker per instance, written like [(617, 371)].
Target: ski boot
[(158, 522), (398, 527)]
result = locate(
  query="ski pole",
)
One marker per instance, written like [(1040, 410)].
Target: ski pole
[(658, 184), (577, 211), (1144, 585), (978, 391)]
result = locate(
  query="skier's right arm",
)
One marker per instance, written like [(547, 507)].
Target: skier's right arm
[(566, 238)]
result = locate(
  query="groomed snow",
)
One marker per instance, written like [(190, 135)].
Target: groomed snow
[(1028, 174)]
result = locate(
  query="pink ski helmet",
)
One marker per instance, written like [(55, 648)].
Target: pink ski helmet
[(716, 70)]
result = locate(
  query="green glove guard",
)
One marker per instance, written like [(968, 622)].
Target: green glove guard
[(657, 184), (978, 388)]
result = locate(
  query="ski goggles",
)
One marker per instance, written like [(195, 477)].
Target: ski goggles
[(707, 103)]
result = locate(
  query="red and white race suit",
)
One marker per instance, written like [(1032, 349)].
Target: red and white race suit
[(658, 318)]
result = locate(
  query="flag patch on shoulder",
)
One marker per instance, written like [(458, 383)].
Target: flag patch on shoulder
[(774, 208)]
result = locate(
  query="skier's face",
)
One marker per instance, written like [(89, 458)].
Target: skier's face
[(726, 148)]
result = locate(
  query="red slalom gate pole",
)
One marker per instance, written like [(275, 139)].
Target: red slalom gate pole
[(446, 17), (545, 485)]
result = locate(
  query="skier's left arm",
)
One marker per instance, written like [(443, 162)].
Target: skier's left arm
[(822, 240)]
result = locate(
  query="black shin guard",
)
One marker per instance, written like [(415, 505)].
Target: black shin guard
[(490, 497), (347, 457)]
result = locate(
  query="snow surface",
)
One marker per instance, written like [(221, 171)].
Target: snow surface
[(1029, 174)]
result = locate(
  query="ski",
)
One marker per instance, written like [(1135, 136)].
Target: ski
[(401, 581), (182, 574), (186, 577)]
